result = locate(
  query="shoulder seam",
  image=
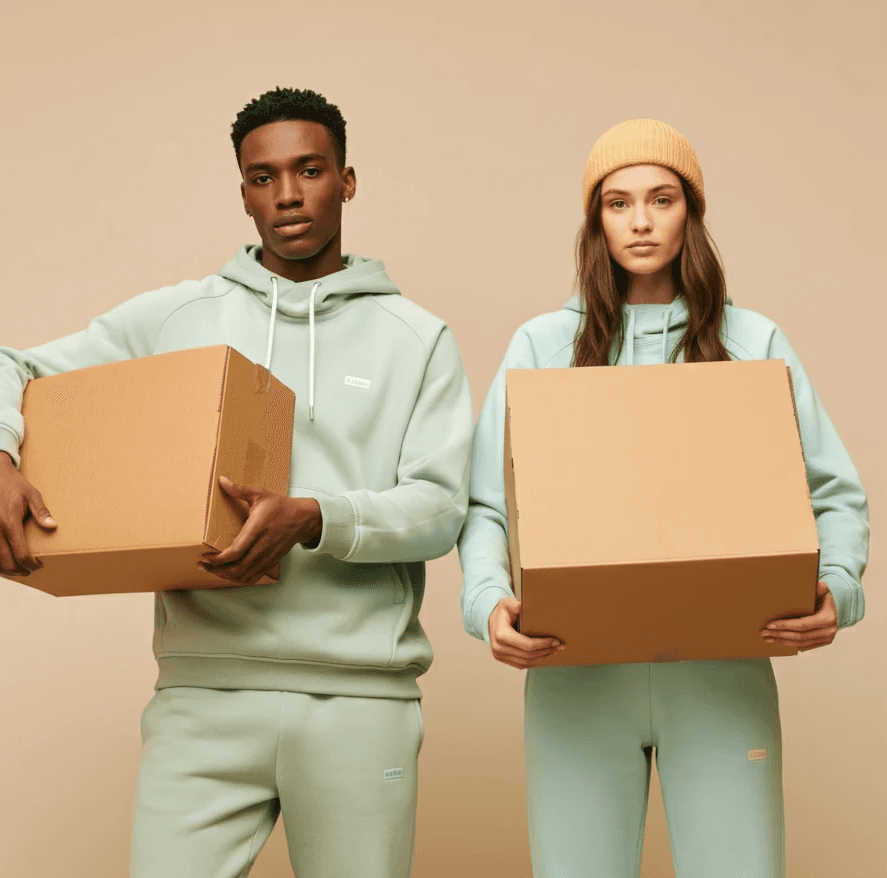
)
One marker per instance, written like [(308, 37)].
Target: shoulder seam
[(190, 301), (377, 301)]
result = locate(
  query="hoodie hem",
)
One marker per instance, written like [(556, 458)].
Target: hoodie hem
[(226, 672)]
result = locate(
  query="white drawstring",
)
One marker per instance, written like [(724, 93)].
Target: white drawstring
[(629, 341), (273, 320), (311, 351), (665, 333)]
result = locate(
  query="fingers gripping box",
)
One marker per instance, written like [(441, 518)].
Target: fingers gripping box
[(657, 513), (128, 456)]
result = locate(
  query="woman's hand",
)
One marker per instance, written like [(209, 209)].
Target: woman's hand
[(807, 632), (512, 648)]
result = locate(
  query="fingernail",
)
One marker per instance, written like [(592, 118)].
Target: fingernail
[(49, 520)]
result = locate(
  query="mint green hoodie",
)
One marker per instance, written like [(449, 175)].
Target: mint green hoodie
[(381, 439), (651, 334)]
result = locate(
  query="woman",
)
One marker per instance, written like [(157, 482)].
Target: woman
[(651, 290)]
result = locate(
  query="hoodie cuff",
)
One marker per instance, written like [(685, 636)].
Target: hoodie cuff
[(339, 527), (9, 444), (845, 596), (483, 607)]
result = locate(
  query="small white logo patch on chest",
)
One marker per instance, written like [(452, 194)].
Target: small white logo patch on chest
[(393, 773), (756, 755), (362, 383)]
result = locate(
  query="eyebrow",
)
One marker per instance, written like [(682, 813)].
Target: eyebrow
[(648, 192), (268, 166)]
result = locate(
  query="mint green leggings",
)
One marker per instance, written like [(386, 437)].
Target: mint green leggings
[(589, 735)]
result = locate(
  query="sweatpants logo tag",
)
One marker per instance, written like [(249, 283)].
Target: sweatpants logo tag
[(756, 755), (393, 773), (362, 383)]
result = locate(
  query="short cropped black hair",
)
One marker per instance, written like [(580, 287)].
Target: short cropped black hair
[(284, 104)]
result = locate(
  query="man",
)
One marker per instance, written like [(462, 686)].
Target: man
[(298, 697)]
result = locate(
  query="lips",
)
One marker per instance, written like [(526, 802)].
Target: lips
[(295, 219), (642, 244)]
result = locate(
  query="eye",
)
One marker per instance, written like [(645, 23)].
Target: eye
[(662, 201), (261, 179), (312, 172), (618, 204)]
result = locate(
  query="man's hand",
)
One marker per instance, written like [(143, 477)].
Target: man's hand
[(807, 632), (18, 499), (274, 525), (516, 649)]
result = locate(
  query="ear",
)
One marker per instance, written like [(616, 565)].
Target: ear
[(243, 197), (349, 183)]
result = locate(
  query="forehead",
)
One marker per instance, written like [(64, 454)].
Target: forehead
[(284, 142), (640, 178)]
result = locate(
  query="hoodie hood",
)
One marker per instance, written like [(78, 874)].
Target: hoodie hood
[(359, 277), (643, 321)]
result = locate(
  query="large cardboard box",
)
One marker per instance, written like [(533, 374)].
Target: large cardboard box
[(657, 513), (128, 457)]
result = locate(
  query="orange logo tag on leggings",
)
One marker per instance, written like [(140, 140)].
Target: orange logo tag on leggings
[(755, 755)]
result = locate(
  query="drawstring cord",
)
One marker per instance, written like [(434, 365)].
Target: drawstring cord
[(629, 342), (273, 321), (629, 337), (311, 351), (310, 339)]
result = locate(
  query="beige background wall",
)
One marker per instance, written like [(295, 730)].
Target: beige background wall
[(468, 125)]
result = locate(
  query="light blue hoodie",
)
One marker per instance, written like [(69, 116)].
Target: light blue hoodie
[(381, 440), (651, 334)]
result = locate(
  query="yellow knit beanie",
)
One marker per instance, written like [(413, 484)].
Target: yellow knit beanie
[(641, 142)]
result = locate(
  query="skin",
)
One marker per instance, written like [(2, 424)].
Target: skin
[(647, 203), (290, 168), (644, 203), (287, 168)]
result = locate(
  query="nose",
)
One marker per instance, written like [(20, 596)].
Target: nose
[(289, 192), (640, 218)]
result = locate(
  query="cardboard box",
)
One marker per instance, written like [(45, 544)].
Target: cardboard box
[(128, 457), (657, 513)]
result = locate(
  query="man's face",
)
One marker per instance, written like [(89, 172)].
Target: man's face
[(293, 189)]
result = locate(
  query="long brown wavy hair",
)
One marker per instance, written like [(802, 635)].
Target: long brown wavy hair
[(603, 284)]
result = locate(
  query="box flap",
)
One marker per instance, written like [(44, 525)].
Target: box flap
[(254, 446), (511, 507)]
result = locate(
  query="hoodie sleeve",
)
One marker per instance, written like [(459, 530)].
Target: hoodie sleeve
[(483, 543), (129, 330), (420, 518), (839, 500)]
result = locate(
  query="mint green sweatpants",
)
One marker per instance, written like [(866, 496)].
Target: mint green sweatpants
[(218, 766), (589, 736)]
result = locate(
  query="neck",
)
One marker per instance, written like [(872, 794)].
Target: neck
[(651, 289), (326, 261)]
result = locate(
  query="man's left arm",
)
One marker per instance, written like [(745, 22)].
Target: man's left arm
[(420, 518), (417, 520)]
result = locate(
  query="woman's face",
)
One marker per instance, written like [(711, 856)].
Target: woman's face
[(643, 212)]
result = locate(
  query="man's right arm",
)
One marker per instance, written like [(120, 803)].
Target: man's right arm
[(128, 331)]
